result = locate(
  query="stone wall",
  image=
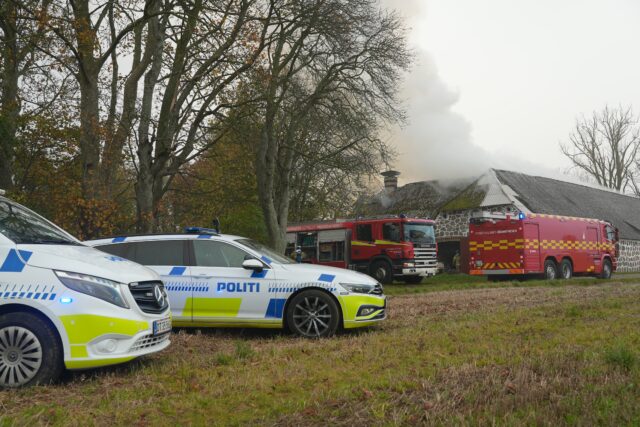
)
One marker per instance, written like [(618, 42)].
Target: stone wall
[(455, 225), (629, 259)]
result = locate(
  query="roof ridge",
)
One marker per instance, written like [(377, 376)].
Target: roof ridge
[(599, 188)]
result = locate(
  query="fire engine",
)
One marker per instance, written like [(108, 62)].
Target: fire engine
[(503, 246), (385, 248)]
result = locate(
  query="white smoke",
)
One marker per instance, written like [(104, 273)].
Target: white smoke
[(437, 142)]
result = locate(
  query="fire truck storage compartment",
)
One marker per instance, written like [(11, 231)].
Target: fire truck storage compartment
[(331, 245), (326, 246)]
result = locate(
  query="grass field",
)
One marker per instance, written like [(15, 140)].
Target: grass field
[(539, 354), (450, 282)]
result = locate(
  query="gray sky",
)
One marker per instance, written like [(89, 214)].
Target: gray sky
[(500, 82)]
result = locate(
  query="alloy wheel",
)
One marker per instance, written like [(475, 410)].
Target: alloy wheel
[(20, 356), (312, 316)]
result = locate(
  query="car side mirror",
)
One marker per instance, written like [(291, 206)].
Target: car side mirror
[(253, 264)]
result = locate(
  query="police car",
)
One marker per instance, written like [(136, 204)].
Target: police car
[(230, 281), (63, 304)]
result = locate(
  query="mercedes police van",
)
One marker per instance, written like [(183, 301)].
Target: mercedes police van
[(63, 304), (229, 281)]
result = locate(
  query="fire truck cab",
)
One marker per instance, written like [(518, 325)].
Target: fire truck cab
[(385, 248), (503, 246)]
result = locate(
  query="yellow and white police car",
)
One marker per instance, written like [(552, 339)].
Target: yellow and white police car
[(230, 281), (63, 304)]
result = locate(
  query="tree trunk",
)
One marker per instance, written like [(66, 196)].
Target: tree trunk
[(9, 102), (144, 189), (266, 177), (144, 180), (89, 101), (112, 157)]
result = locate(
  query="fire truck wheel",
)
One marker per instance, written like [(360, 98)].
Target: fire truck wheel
[(381, 271), (313, 314), (550, 270), (606, 270), (566, 269)]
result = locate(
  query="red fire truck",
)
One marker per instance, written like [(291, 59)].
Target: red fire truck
[(503, 246), (385, 248)]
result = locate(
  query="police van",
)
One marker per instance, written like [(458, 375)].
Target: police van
[(63, 304), (230, 281)]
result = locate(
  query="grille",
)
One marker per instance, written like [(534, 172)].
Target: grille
[(145, 295), (425, 257), (149, 341)]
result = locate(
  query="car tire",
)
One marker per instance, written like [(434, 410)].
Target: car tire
[(30, 351), (412, 280), (313, 314), (566, 269), (550, 270), (381, 271), (607, 270)]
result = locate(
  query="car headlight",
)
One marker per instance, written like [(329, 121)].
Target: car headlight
[(106, 290), (360, 288)]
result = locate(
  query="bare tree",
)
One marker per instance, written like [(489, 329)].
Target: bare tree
[(605, 147), (91, 35), (18, 37), (213, 43), (191, 56), (326, 60)]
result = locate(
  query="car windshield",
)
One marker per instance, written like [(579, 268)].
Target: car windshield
[(265, 250), (422, 234), (23, 226)]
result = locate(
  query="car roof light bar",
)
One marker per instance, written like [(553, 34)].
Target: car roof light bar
[(201, 230)]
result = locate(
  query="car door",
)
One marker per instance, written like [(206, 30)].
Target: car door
[(224, 291), (168, 259)]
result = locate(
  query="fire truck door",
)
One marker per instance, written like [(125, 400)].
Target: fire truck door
[(593, 255), (532, 247)]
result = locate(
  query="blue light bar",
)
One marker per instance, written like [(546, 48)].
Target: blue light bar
[(66, 300), (199, 230), (521, 216)]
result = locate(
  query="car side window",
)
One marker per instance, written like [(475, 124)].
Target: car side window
[(210, 253), (158, 252), (123, 250)]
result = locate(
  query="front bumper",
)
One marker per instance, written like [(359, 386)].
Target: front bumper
[(359, 310), (420, 271), (96, 341)]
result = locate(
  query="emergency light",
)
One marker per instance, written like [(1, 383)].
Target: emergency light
[(521, 216), (200, 230)]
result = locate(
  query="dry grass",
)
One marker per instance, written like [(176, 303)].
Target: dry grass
[(547, 356)]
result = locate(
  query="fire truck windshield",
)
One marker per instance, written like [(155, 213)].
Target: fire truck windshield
[(422, 234)]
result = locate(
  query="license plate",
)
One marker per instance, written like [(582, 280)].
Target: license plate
[(161, 326), (478, 263)]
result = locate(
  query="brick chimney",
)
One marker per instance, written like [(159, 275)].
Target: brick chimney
[(390, 181)]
